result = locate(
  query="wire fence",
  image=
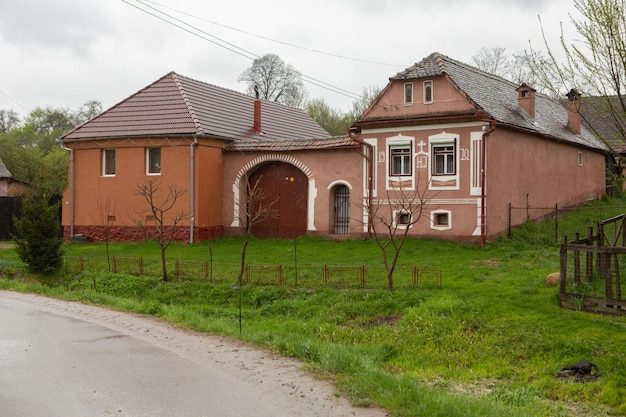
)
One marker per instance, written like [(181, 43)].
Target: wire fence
[(297, 277), (553, 224)]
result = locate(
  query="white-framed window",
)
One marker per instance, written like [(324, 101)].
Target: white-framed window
[(408, 94), (441, 220), (400, 160), (153, 161), (444, 159), (581, 159), (428, 92), (402, 219), (108, 162)]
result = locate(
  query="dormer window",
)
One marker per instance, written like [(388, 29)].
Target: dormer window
[(428, 92), (408, 94)]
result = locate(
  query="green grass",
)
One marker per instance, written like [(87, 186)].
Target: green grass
[(490, 342)]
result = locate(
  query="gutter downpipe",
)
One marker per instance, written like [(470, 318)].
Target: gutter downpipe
[(483, 192), (71, 183), (192, 186), (369, 157)]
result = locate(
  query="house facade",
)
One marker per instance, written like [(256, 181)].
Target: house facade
[(208, 142), (473, 145), (468, 144)]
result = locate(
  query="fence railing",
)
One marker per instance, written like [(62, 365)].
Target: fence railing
[(301, 276), (591, 269)]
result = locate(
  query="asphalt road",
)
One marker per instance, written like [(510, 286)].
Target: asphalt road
[(69, 361)]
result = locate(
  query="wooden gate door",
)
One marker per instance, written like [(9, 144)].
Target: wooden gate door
[(289, 187), (342, 210)]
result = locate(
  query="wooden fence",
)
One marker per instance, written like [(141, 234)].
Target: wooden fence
[(591, 269), (301, 276)]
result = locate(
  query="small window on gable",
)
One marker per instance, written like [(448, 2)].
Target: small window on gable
[(400, 160), (581, 159), (428, 92), (408, 94), (153, 161), (108, 162)]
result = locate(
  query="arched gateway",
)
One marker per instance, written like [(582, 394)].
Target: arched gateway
[(288, 187)]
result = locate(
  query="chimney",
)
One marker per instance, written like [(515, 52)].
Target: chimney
[(526, 99), (257, 111), (573, 111)]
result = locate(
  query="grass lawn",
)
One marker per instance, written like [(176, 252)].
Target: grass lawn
[(489, 342)]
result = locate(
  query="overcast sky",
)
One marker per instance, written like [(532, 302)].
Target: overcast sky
[(63, 53)]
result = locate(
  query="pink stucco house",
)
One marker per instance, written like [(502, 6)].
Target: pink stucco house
[(471, 142), (475, 143)]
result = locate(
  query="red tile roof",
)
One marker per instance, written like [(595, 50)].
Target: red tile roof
[(177, 105)]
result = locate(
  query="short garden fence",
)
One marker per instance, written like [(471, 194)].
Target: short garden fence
[(281, 275)]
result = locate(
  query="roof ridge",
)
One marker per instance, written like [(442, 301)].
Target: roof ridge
[(192, 112)]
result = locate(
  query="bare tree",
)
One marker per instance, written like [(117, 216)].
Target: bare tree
[(391, 219), (594, 67), (157, 224), (275, 80), (104, 220), (253, 209), (491, 60)]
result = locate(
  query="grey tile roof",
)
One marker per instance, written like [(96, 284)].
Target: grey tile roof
[(178, 105), (498, 98), (4, 172)]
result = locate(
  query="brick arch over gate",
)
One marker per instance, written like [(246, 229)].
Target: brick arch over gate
[(307, 190)]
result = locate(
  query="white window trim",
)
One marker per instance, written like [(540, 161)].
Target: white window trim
[(444, 138), (435, 226), (432, 91), (104, 162), (408, 181), (408, 103), (148, 162), (581, 159)]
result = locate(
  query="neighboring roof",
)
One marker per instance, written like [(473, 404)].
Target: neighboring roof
[(604, 115), (293, 145), (499, 99), (177, 105), (4, 172)]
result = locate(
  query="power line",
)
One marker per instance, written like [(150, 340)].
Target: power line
[(14, 101), (189, 28), (256, 35)]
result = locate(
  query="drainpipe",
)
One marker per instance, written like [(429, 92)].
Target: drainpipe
[(71, 183), (369, 158), (192, 185), (483, 192)]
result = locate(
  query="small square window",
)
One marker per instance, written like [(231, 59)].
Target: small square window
[(441, 219), (108, 162), (428, 92), (404, 218), (153, 161), (408, 94)]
